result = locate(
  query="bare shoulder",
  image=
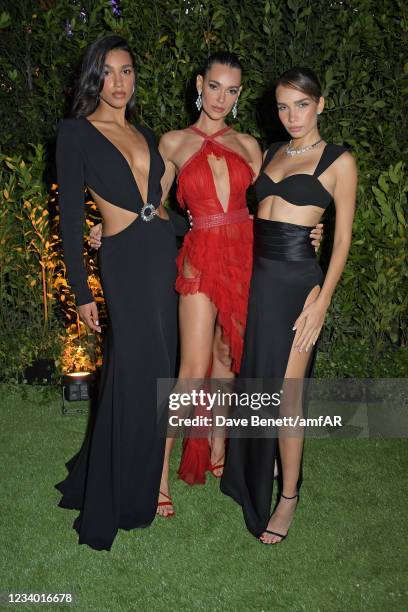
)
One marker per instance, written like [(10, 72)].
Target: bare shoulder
[(250, 144), (168, 139), (248, 141), (345, 164), (171, 141), (346, 178)]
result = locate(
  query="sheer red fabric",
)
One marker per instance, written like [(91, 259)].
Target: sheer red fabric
[(216, 259)]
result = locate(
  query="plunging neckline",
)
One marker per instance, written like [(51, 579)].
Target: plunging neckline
[(212, 138), (125, 160)]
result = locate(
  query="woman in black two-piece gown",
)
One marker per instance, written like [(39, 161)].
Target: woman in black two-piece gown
[(114, 479), (288, 299)]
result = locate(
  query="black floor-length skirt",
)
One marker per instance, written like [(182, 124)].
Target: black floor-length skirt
[(114, 479), (285, 270)]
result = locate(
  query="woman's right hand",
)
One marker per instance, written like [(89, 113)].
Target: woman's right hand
[(95, 236), (190, 219), (89, 314)]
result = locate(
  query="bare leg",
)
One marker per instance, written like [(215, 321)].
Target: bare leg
[(290, 448), (164, 483), (197, 315), (221, 369)]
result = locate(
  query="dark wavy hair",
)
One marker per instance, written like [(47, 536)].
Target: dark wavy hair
[(91, 78), (303, 79), (222, 57)]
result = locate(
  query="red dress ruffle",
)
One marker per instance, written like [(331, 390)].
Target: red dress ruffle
[(216, 261)]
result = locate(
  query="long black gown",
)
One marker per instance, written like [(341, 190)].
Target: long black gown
[(285, 271), (114, 479)]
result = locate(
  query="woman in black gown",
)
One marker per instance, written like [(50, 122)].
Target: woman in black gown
[(114, 479), (288, 296)]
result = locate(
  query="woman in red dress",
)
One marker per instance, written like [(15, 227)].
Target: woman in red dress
[(214, 165)]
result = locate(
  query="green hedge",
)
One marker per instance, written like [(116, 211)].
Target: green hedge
[(359, 48)]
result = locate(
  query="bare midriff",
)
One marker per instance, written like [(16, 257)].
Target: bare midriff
[(274, 208), (116, 219)]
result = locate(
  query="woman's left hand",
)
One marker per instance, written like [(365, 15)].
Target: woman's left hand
[(312, 319), (316, 235), (95, 236)]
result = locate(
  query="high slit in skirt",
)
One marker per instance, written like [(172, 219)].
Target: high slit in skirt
[(285, 271)]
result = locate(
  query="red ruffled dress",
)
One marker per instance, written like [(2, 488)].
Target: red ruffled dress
[(216, 259)]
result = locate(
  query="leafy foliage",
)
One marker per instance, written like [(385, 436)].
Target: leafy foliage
[(28, 322), (359, 49)]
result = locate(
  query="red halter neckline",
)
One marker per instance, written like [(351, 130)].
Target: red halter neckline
[(210, 136)]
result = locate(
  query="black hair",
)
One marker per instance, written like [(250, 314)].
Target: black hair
[(303, 79), (222, 57), (91, 79)]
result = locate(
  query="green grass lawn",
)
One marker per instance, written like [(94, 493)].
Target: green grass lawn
[(346, 551)]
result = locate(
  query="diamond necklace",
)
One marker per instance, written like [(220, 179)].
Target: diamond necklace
[(292, 152)]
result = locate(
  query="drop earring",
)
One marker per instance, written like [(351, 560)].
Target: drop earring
[(199, 101), (235, 109)]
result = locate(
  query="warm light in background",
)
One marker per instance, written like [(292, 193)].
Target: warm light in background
[(75, 387)]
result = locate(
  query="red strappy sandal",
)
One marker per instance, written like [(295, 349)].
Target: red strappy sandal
[(218, 466), (165, 503)]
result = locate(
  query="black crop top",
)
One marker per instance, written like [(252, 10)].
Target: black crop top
[(86, 157), (298, 189)]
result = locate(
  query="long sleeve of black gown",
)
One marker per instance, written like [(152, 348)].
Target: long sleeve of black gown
[(71, 183)]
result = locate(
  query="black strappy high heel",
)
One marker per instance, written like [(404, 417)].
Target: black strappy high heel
[(280, 535)]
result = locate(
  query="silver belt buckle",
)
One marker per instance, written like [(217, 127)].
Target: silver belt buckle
[(148, 212)]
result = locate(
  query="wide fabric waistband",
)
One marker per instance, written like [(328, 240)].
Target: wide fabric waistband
[(208, 221), (282, 241)]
